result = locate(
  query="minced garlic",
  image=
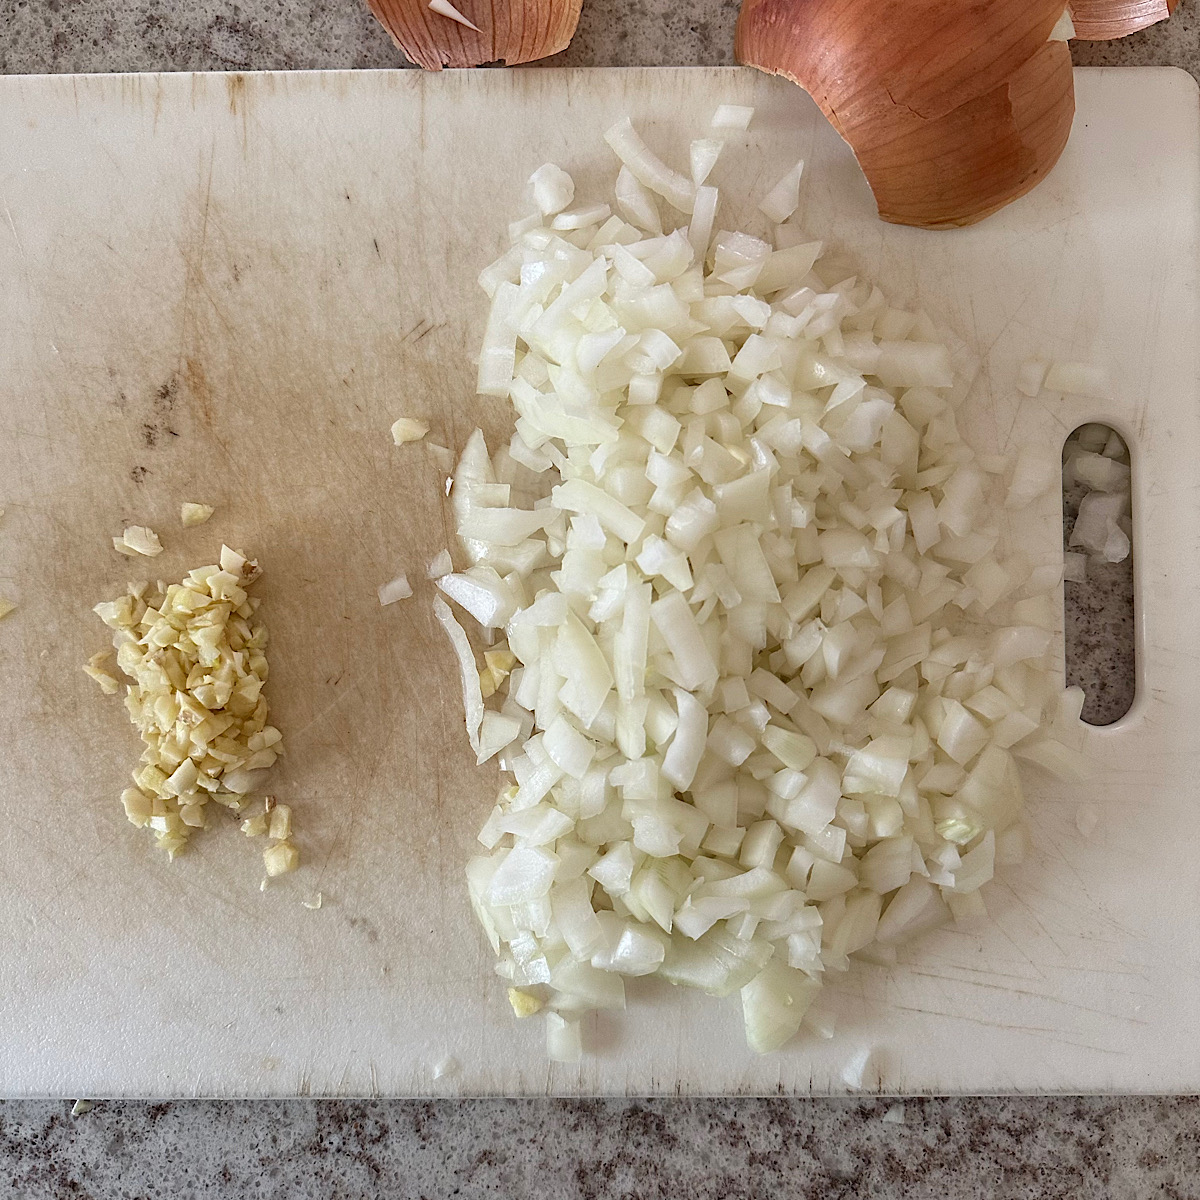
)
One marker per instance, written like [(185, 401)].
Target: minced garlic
[(196, 651)]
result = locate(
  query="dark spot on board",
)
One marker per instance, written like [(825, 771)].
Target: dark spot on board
[(138, 474), (363, 926), (236, 271), (160, 422), (235, 85), (347, 195), (375, 243)]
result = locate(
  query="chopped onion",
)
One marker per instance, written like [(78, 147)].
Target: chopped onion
[(472, 696), (396, 589), (732, 116), (441, 564), (704, 155), (860, 1072), (1097, 529), (636, 202), (649, 170), (784, 198), (553, 189), (408, 429), (1078, 379), (755, 666), (563, 1041)]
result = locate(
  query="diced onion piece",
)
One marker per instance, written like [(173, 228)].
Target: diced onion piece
[(732, 116), (687, 746), (773, 1005), (408, 429), (784, 198), (704, 155), (1078, 379), (553, 189), (395, 589), (441, 564), (704, 213), (6, 606), (1033, 475), (1031, 377), (860, 1073), (647, 168), (469, 673), (636, 202), (564, 1043)]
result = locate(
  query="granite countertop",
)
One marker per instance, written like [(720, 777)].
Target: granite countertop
[(1011, 1147)]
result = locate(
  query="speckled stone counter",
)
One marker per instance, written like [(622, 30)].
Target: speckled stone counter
[(1115, 1148), (1040, 1149)]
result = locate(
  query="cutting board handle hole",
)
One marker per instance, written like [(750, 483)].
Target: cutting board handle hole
[(1098, 594)]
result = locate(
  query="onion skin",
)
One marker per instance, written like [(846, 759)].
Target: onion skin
[(952, 110), (512, 31), (1104, 20)]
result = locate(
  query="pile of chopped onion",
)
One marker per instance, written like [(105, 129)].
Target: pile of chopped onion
[(755, 667), (196, 652)]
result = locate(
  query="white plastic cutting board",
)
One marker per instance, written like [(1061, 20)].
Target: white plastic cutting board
[(225, 288)]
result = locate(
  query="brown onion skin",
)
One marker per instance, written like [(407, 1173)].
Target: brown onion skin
[(513, 31), (954, 109), (1104, 20)]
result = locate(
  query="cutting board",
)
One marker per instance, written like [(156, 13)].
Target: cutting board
[(224, 288)]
